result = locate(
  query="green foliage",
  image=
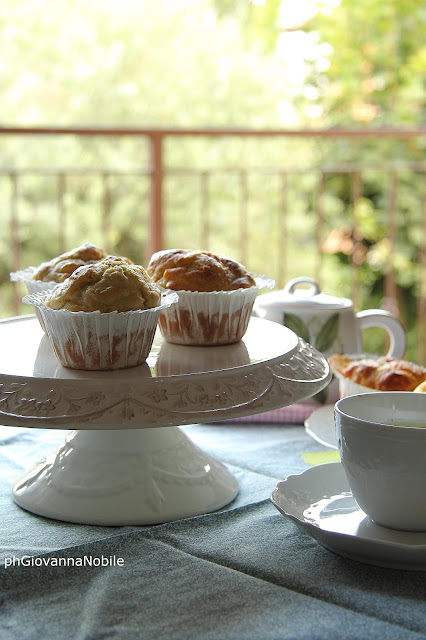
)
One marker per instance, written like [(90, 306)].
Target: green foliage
[(377, 52)]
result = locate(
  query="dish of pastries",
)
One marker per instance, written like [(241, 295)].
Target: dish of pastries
[(383, 373)]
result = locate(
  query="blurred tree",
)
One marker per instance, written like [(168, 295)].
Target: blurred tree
[(141, 63), (367, 59), (364, 64)]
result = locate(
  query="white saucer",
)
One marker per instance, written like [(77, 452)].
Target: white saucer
[(320, 425), (320, 502)]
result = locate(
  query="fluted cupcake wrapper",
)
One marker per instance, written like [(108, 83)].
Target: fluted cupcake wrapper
[(100, 341), (33, 286), (210, 318)]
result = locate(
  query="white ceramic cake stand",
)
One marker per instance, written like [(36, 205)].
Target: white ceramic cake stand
[(117, 466)]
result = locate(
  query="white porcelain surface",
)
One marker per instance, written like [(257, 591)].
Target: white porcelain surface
[(119, 468), (385, 463), (127, 477), (327, 322), (320, 502), (320, 426), (37, 392)]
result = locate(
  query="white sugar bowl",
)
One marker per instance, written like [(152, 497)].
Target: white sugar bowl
[(327, 322)]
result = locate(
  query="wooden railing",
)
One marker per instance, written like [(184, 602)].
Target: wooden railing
[(158, 170)]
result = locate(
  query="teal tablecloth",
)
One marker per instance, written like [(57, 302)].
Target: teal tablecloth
[(245, 572)]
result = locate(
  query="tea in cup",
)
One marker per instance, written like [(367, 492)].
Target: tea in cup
[(381, 439)]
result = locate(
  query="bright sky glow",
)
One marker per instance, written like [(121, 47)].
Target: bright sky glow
[(298, 49), (294, 14)]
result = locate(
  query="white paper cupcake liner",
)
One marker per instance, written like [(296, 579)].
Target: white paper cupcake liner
[(96, 341), (263, 282), (33, 286), (210, 318), (23, 274)]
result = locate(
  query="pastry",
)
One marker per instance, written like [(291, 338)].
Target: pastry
[(382, 374), (60, 268), (180, 269), (421, 388), (45, 277), (107, 285), (103, 316)]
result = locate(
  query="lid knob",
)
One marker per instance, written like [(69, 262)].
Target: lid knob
[(292, 285)]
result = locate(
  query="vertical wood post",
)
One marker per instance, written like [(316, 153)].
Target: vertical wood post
[(356, 256), (14, 240), (282, 267), (319, 227), (391, 303), (155, 237), (421, 301), (106, 211), (243, 217), (60, 196), (205, 210)]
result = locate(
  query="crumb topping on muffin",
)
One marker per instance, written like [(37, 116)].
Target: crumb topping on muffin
[(111, 284), (60, 268), (181, 269)]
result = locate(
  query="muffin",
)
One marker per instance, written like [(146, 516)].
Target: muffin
[(61, 267), (103, 316), (48, 274), (368, 373), (180, 269), (216, 296)]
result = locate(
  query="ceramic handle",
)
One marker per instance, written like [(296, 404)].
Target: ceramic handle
[(385, 320), (312, 291)]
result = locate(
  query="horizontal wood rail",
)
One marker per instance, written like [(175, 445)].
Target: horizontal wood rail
[(382, 132)]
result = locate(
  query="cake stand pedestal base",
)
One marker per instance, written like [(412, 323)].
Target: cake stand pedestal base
[(126, 477)]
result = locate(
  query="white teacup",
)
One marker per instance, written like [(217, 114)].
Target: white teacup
[(382, 443)]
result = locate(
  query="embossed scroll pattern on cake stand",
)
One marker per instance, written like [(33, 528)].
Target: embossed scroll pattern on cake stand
[(117, 466)]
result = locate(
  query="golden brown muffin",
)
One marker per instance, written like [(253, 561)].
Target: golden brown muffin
[(383, 373), (60, 268), (108, 285), (184, 270)]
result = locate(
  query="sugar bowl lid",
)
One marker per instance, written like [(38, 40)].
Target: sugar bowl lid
[(297, 296)]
